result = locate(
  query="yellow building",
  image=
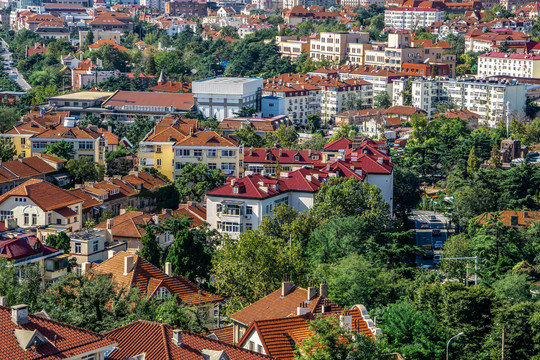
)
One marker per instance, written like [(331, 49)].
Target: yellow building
[(176, 142)]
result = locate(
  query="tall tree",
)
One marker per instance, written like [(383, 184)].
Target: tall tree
[(196, 179), (7, 149), (285, 136), (249, 137), (150, 249), (9, 116), (382, 100), (62, 149), (313, 122), (188, 255), (59, 241), (473, 162), (89, 38), (494, 157), (84, 169)]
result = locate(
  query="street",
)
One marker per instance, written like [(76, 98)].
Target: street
[(12, 71), (424, 236)]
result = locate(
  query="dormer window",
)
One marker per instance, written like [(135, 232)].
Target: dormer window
[(162, 293), (269, 157), (296, 158)]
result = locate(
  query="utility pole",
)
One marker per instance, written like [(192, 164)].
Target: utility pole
[(467, 276)]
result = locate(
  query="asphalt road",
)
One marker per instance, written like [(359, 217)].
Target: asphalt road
[(12, 71), (424, 236)]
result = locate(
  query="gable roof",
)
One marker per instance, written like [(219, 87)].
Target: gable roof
[(524, 218), (44, 194), (23, 246), (339, 144), (275, 306), (148, 279), (155, 341), (127, 224), (63, 341)]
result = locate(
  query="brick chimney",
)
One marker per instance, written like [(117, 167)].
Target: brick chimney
[(286, 288), (311, 293), (168, 268), (323, 291)]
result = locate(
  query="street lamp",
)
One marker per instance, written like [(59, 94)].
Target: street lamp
[(448, 343)]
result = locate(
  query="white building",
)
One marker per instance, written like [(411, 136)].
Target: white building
[(515, 65), (411, 18), (241, 204), (488, 99), (38, 203), (334, 45), (223, 96)]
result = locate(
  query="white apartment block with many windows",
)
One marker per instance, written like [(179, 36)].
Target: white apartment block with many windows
[(335, 45), (515, 65), (488, 99), (411, 18)]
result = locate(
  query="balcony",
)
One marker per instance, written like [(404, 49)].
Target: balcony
[(146, 162)]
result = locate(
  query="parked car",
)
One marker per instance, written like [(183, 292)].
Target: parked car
[(437, 259), (436, 232), (432, 218), (424, 225), (438, 245), (427, 267), (428, 251)]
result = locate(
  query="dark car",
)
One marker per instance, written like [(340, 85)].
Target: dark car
[(424, 225), (436, 232)]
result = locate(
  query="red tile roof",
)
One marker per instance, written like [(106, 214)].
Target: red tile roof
[(147, 279), (45, 195), (23, 246), (524, 218), (178, 101), (339, 144), (88, 201), (271, 156), (64, 341), (155, 341), (172, 86), (194, 211)]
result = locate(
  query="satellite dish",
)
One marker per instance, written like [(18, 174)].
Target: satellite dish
[(193, 71)]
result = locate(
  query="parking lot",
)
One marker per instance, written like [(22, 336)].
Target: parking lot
[(425, 234)]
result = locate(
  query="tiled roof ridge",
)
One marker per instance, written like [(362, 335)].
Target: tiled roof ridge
[(165, 342)]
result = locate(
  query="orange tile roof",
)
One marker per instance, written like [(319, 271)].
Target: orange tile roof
[(403, 110), (180, 101), (66, 132), (98, 44), (147, 279), (155, 341), (45, 195), (112, 139), (172, 86), (64, 341), (88, 201), (127, 224), (193, 211), (224, 334), (207, 138), (53, 158), (274, 306), (524, 218)]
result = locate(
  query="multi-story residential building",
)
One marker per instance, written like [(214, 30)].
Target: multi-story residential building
[(488, 98), (223, 96), (513, 5), (292, 46), (100, 35), (37, 203), (14, 173), (515, 65), (86, 142), (411, 18), (93, 246), (187, 8), (335, 45), (300, 100), (335, 93), (176, 142), (477, 40), (37, 336), (241, 204), (80, 103)]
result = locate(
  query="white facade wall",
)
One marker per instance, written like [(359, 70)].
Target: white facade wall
[(254, 343), (386, 184), (523, 67), (411, 18)]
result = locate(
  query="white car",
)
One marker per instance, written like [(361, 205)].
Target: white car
[(437, 259)]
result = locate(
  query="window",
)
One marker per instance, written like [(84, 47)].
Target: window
[(228, 153), (26, 219), (249, 226), (211, 153), (34, 219), (158, 162), (249, 210), (89, 357), (23, 141), (95, 245), (228, 168), (58, 221), (219, 208), (86, 145), (162, 293), (75, 219), (197, 153), (185, 152), (77, 248), (230, 227), (178, 166), (212, 166), (158, 149)]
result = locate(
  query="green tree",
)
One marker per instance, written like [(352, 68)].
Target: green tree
[(249, 137), (514, 287), (331, 341), (59, 241), (89, 38), (285, 136), (254, 265), (494, 158), (62, 149), (23, 287), (188, 255), (41, 93), (105, 215), (183, 317), (7, 149), (313, 122), (150, 249), (196, 180), (473, 162), (9, 116), (245, 111), (352, 102), (343, 131), (84, 169), (382, 100), (150, 65)]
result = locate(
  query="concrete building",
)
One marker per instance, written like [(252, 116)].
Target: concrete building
[(515, 65), (335, 45), (223, 96), (292, 46), (411, 18), (487, 98), (93, 246), (186, 8), (272, 106)]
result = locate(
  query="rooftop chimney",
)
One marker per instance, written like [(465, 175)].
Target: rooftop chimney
[(311, 293), (85, 267), (323, 291), (109, 224), (286, 288), (168, 268), (128, 264), (3, 301), (302, 309), (19, 314), (177, 337)]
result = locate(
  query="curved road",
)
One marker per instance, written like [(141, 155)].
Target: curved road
[(13, 73)]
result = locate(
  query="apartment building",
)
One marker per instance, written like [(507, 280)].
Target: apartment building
[(477, 40), (300, 100), (242, 203), (223, 96), (38, 203), (186, 8), (173, 143), (292, 46), (265, 161), (489, 99), (335, 45), (411, 18), (335, 93), (515, 65)]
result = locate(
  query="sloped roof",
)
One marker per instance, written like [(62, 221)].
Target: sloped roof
[(23, 246), (88, 201), (207, 139), (403, 110), (155, 341), (270, 156), (147, 279), (180, 101), (64, 341), (339, 144), (45, 195), (194, 211), (524, 218), (127, 224), (275, 306), (224, 334), (68, 132)]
